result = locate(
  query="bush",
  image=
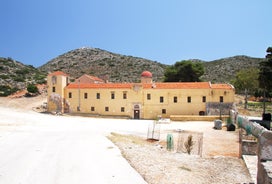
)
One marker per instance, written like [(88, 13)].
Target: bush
[(31, 88), (40, 79), (19, 79), (23, 71), (7, 90), (4, 76)]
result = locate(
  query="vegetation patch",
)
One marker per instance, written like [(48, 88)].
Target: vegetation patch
[(119, 138)]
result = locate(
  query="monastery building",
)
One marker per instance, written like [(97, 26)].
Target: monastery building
[(144, 100)]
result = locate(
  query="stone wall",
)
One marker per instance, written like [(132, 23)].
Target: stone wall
[(264, 153), (249, 147), (264, 175), (197, 118)]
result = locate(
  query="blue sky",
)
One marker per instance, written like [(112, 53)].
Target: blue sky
[(35, 31)]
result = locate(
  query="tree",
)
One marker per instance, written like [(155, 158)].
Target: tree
[(265, 75), (247, 81), (31, 88), (184, 71)]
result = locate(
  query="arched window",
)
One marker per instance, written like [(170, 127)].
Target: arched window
[(54, 80)]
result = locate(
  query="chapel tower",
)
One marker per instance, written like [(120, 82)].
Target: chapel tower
[(56, 83)]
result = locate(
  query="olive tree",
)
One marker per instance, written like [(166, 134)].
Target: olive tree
[(246, 81)]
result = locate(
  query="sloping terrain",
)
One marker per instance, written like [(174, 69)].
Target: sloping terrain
[(103, 64), (111, 67), (223, 70), (120, 68), (15, 75)]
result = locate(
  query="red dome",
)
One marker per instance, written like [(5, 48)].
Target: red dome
[(146, 74)]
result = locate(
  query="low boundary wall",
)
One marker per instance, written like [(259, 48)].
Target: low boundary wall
[(196, 118), (264, 153)]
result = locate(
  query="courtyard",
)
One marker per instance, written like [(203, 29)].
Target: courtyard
[(43, 148)]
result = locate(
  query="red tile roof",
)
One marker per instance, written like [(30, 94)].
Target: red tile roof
[(89, 79), (58, 73), (100, 85), (95, 78), (222, 86), (166, 85), (178, 85)]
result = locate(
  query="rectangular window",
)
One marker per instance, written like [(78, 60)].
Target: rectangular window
[(97, 95), (124, 95), (148, 96), (122, 109), (112, 95), (70, 95), (163, 111), (161, 99), (85, 95), (54, 89), (175, 99), (189, 99), (92, 109), (106, 109), (204, 99), (221, 99)]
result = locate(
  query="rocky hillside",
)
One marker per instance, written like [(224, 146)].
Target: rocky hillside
[(223, 70), (120, 68), (15, 75), (103, 64), (110, 66)]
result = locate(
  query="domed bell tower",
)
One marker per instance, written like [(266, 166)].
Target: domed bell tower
[(146, 77)]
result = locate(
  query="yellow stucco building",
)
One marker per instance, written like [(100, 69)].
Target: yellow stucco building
[(145, 100)]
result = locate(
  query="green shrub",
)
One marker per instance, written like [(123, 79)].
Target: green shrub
[(4, 76), (7, 90), (19, 79), (31, 88), (22, 71)]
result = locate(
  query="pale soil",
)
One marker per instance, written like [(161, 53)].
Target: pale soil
[(44, 149), (219, 162), (159, 166)]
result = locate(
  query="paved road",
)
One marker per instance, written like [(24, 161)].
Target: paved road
[(44, 149)]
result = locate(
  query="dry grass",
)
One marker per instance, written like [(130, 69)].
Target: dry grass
[(119, 138)]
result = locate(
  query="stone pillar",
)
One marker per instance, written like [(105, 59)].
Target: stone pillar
[(264, 175)]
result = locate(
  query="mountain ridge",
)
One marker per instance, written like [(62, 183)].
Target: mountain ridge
[(225, 69), (104, 64), (107, 65), (113, 67)]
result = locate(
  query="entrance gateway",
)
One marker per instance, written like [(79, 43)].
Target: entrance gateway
[(136, 111)]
